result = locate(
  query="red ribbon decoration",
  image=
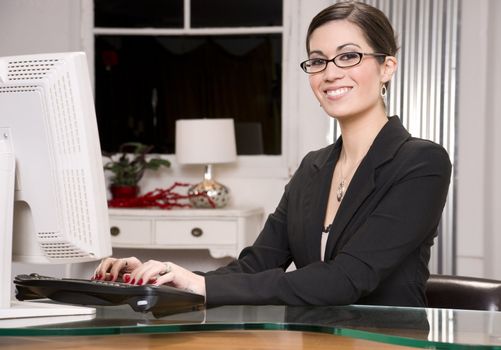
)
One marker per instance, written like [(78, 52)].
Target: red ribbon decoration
[(160, 198)]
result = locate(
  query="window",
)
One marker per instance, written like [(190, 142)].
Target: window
[(158, 61)]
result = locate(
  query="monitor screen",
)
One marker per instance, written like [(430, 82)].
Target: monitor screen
[(54, 209)]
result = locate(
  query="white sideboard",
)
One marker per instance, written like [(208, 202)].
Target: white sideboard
[(224, 232)]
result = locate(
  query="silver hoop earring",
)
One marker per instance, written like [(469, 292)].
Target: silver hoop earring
[(384, 92)]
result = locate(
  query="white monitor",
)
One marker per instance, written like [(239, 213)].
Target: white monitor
[(52, 190)]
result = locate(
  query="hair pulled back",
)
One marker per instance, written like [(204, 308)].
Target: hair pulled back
[(373, 22)]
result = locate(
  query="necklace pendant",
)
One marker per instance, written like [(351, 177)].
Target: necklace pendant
[(340, 191)]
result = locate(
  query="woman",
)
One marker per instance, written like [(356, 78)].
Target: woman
[(358, 217)]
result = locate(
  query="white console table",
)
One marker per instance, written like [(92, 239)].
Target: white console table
[(224, 232)]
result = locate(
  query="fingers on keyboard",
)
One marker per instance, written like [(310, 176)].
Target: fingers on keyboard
[(126, 279), (108, 277)]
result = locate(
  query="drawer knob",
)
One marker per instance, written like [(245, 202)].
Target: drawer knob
[(197, 232), (115, 231)]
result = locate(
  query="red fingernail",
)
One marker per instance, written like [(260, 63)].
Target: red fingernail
[(140, 282), (133, 281), (98, 276), (126, 278)]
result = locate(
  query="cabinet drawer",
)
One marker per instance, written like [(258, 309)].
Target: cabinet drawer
[(195, 232), (124, 231)]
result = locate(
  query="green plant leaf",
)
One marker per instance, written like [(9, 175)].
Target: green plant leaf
[(156, 163), (129, 164)]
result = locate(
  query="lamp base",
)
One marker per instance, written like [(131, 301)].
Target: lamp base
[(209, 194)]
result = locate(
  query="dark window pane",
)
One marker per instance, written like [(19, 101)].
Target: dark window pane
[(138, 14), (144, 84), (236, 13)]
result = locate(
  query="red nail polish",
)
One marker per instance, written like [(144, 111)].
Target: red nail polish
[(98, 276), (140, 282), (126, 278), (133, 281)]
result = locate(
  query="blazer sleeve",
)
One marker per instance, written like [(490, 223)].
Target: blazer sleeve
[(404, 218), (271, 248)]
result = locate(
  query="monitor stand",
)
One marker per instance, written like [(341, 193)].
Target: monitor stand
[(8, 308)]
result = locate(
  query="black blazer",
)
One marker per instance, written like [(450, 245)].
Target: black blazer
[(379, 243)]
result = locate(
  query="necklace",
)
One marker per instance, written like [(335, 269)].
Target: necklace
[(341, 188), (343, 184)]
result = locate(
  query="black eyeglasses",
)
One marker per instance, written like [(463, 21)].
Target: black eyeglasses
[(343, 60)]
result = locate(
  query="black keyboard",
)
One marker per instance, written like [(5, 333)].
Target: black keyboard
[(160, 300)]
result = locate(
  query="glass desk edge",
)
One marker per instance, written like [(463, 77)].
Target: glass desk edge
[(250, 320)]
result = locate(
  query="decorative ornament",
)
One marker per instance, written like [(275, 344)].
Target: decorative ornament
[(208, 194)]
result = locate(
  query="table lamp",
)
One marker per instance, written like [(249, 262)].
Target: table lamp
[(208, 142)]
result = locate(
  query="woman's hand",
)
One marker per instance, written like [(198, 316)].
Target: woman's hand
[(157, 273), (111, 268)]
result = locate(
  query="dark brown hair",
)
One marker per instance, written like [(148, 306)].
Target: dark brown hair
[(374, 24)]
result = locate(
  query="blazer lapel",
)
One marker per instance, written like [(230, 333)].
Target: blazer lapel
[(361, 186), (384, 147), (316, 197)]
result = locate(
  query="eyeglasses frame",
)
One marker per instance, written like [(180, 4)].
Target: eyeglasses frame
[(360, 54)]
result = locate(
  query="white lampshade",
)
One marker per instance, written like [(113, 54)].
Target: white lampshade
[(205, 141)]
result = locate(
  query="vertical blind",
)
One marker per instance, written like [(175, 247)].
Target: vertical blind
[(423, 91)]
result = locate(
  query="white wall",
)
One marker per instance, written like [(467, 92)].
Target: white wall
[(479, 150), (34, 26), (493, 228), (29, 26)]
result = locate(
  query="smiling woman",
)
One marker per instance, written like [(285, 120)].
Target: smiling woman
[(356, 78), (358, 217)]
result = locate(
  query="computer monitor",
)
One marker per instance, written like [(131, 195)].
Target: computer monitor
[(53, 205)]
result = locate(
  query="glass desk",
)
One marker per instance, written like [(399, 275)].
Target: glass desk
[(410, 327)]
